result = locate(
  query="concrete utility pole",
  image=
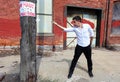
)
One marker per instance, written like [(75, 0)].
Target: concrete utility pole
[(28, 41)]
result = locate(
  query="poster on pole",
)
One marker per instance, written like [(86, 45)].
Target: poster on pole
[(27, 8)]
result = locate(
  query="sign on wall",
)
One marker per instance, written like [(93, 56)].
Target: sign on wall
[(27, 8)]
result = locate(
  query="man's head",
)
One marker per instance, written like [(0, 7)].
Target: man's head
[(77, 18), (76, 21)]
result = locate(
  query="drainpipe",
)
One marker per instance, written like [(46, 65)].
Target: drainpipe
[(107, 20)]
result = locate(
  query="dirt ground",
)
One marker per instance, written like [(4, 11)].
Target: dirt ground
[(54, 67)]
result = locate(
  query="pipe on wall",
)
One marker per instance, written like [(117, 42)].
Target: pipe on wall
[(107, 20)]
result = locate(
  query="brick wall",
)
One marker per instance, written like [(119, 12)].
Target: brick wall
[(9, 9), (114, 40), (9, 22)]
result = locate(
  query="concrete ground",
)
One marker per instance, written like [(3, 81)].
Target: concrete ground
[(106, 66)]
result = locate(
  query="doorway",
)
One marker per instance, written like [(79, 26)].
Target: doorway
[(90, 16)]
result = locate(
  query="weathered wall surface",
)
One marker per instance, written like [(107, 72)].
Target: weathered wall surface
[(9, 22)]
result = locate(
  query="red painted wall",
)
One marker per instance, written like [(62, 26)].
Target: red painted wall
[(9, 22)]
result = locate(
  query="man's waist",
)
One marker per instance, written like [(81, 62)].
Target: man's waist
[(83, 44)]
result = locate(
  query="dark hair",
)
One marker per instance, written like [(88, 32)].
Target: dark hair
[(77, 18)]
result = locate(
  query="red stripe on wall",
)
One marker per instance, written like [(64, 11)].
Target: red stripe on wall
[(116, 23), (9, 28), (88, 22), (9, 31)]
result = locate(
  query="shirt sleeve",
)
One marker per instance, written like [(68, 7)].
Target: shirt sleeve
[(69, 29), (90, 31)]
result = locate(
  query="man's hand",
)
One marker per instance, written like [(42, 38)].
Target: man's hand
[(54, 22), (91, 39)]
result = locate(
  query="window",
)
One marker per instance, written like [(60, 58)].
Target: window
[(116, 19), (44, 16)]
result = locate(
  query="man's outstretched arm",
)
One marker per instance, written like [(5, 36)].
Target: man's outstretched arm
[(63, 28)]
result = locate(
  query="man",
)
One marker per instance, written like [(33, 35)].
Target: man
[(84, 35)]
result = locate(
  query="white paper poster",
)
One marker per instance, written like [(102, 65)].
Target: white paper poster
[(27, 8)]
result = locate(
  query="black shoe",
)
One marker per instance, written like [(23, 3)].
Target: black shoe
[(90, 73), (69, 76)]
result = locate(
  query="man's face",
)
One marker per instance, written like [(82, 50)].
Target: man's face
[(76, 23)]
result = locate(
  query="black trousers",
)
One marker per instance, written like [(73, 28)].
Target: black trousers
[(78, 51)]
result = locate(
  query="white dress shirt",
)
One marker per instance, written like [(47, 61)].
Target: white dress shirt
[(83, 34)]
